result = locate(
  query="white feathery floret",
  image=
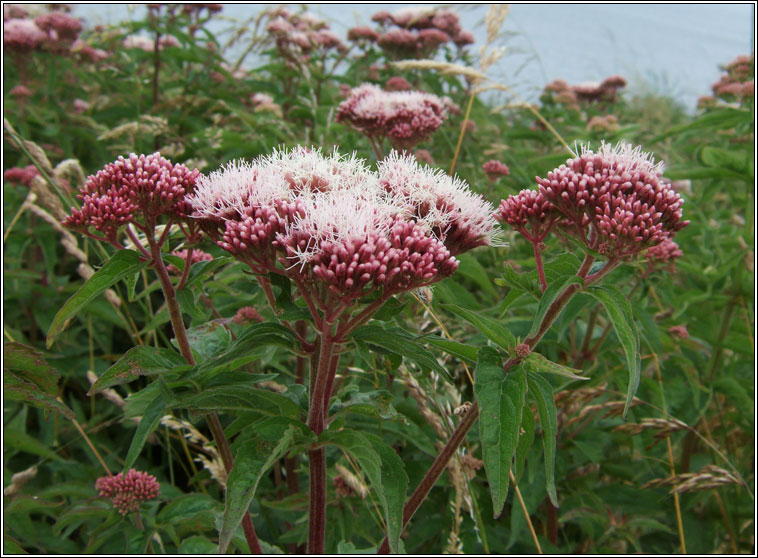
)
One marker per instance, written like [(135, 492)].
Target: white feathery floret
[(309, 169), (435, 198), (225, 193), (627, 157)]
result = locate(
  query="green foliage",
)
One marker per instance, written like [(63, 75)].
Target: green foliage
[(401, 375)]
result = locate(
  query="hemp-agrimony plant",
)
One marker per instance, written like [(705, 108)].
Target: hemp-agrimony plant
[(338, 240)]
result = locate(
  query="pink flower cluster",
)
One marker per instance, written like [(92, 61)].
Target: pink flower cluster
[(404, 117), (330, 220), (144, 186), (140, 42), (607, 124), (495, 169), (615, 201), (588, 92), (52, 31), (21, 175), (297, 35), (419, 32), (128, 491)]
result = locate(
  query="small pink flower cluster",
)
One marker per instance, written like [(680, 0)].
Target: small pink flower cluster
[(265, 102), (404, 117), (588, 92), (197, 256), (145, 186), (140, 42), (397, 83), (21, 175), (495, 169), (246, 315), (736, 85), (128, 491), (297, 35), (420, 32), (608, 124), (330, 220), (52, 31), (87, 52), (614, 201)]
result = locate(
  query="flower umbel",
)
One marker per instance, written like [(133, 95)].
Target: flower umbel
[(615, 200), (128, 491)]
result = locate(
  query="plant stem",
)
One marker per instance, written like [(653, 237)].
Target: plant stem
[(317, 456), (469, 419), (540, 268), (181, 339)]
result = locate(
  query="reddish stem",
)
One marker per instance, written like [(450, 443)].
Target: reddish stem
[(185, 273), (184, 347), (540, 268)]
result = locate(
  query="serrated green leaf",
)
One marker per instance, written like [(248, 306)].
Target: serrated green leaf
[(146, 426), (553, 291), (272, 438), (491, 329), (536, 362), (501, 397), (385, 470), (141, 360), (238, 399), (29, 379), (542, 393), (397, 341), (620, 313), (460, 350), (525, 441), (122, 264)]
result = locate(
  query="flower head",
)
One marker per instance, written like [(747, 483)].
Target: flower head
[(529, 213), (22, 35), (197, 256), (328, 219), (405, 117), (618, 193), (495, 169), (146, 186), (457, 216), (128, 491), (21, 175)]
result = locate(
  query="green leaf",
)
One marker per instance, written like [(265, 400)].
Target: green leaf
[(123, 263), (553, 291), (470, 267), (146, 426), (460, 350), (620, 313), (501, 397), (525, 441), (272, 437), (208, 340), (376, 404), (542, 393), (490, 328), (141, 360), (399, 342), (385, 470), (238, 398), (29, 379), (521, 281), (20, 441), (535, 362)]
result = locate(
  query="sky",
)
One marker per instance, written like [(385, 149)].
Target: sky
[(672, 49)]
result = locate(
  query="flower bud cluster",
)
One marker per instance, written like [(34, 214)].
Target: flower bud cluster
[(127, 190), (419, 32), (297, 35), (329, 220), (587, 92), (528, 213), (404, 117), (52, 31), (495, 169), (460, 218), (615, 200), (128, 491)]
